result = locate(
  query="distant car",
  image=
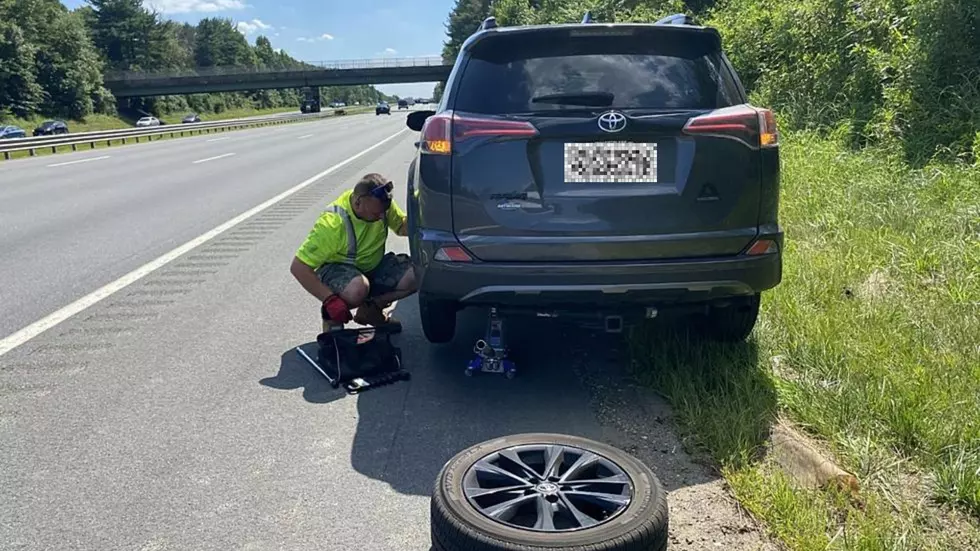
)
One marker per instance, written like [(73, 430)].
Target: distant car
[(50, 128), (10, 132), (193, 117), (148, 121), (403, 104), (382, 107)]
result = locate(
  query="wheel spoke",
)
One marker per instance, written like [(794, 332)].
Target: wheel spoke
[(554, 456), (615, 479), (613, 501), (489, 468), (584, 461), (511, 455), (506, 510), (474, 493), (583, 520), (546, 515)]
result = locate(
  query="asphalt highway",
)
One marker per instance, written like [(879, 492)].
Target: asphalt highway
[(175, 413)]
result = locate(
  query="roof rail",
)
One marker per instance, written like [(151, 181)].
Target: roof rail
[(587, 18), (488, 23), (677, 19)]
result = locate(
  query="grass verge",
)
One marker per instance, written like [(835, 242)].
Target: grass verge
[(870, 345)]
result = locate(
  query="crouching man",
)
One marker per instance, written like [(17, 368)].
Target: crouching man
[(343, 262)]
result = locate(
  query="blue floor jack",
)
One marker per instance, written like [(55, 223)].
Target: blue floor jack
[(491, 352)]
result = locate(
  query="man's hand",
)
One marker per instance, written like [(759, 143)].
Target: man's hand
[(335, 309)]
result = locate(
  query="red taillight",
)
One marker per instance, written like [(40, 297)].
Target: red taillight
[(763, 246), (439, 131), (754, 127), (470, 127), (453, 254), (436, 134)]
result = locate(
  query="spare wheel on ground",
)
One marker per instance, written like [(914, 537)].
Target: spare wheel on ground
[(531, 492)]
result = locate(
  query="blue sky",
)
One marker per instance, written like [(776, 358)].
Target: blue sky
[(313, 30)]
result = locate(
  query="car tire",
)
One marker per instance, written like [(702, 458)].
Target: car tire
[(458, 523), (733, 323), (438, 319)]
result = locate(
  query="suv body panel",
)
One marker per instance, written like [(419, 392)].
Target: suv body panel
[(537, 241)]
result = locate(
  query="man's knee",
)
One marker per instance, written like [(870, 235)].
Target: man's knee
[(408, 281), (356, 292)]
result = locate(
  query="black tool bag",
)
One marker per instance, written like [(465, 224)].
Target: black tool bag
[(350, 354)]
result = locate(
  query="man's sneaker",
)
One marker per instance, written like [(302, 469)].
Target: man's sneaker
[(371, 314)]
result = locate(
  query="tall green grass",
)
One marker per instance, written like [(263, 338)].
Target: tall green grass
[(871, 344)]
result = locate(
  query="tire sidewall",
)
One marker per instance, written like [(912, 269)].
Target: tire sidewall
[(647, 492)]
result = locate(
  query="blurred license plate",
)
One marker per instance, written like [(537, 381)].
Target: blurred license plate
[(610, 162)]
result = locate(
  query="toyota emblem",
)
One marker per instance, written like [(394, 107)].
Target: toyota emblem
[(612, 121)]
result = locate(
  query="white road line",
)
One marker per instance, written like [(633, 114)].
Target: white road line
[(213, 158), (81, 161), (304, 137), (25, 334), (217, 139)]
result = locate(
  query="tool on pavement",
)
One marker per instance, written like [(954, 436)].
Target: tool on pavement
[(491, 351), (360, 359)]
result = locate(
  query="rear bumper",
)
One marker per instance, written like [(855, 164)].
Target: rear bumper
[(600, 284), (663, 281)]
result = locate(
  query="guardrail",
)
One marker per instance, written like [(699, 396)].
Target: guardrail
[(31, 145), (389, 62)]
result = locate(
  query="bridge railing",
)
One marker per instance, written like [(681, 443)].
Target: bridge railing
[(307, 66)]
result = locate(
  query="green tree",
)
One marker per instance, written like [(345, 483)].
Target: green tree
[(218, 43), (68, 67), (19, 91)]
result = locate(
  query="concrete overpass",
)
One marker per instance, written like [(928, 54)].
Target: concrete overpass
[(326, 73)]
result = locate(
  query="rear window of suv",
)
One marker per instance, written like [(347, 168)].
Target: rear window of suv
[(643, 71)]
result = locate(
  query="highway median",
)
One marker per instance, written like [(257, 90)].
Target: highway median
[(84, 141)]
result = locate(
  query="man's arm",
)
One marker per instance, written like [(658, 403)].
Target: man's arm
[(397, 220), (307, 277), (322, 240)]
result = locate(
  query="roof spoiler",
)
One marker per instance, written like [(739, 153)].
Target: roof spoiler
[(677, 19), (488, 23)]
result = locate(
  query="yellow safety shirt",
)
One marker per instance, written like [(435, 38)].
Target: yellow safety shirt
[(339, 236)]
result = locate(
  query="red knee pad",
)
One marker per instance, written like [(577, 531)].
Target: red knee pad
[(336, 309)]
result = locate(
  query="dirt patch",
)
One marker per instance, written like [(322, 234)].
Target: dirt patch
[(703, 515)]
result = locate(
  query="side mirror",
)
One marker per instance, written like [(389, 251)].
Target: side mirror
[(416, 119)]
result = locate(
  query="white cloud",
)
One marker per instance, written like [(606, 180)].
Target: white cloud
[(391, 51), (323, 36), (193, 6), (249, 27)]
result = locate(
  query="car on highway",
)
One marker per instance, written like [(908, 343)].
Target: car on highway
[(148, 121), (51, 128), (382, 107), (9, 132), (403, 103), (613, 171), (191, 118)]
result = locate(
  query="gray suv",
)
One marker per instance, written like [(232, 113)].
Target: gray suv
[(612, 170)]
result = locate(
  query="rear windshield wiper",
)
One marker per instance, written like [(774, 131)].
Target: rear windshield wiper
[(597, 99)]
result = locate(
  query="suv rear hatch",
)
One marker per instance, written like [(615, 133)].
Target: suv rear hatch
[(589, 143)]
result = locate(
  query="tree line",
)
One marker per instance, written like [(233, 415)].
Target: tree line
[(53, 60), (901, 74)]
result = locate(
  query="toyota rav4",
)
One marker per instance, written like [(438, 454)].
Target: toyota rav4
[(610, 169)]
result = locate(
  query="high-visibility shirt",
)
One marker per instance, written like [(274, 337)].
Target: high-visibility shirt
[(329, 241)]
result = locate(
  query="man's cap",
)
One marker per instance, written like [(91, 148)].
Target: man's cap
[(376, 186)]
